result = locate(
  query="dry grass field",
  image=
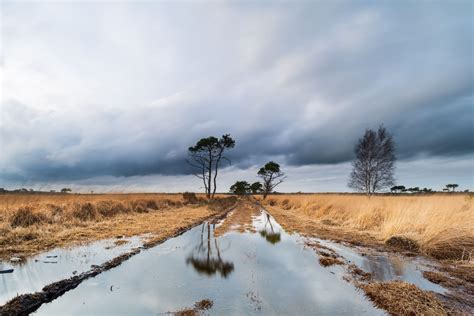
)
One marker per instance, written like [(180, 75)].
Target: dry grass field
[(439, 225), (33, 223)]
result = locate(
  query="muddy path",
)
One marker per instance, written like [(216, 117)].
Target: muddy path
[(244, 263)]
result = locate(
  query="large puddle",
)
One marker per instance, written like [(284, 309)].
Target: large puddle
[(262, 270)]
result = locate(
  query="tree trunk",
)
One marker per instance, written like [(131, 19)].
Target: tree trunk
[(210, 176), (215, 173)]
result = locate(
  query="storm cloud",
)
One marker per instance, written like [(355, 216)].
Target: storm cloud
[(121, 90)]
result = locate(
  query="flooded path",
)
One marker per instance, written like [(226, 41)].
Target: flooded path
[(244, 268), (262, 272)]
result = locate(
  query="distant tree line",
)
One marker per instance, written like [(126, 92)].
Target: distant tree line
[(244, 188), (402, 189), (31, 191)]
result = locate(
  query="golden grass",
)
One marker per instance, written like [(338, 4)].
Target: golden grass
[(442, 224), (33, 223)]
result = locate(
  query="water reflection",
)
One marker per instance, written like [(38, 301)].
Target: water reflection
[(270, 235), (32, 274), (385, 267), (281, 279), (206, 257)]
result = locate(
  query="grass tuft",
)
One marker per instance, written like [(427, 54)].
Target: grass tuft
[(403, 242), (401, 298), (25, 217), (85, 212)]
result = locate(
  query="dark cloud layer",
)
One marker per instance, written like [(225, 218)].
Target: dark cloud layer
[(126, 91)]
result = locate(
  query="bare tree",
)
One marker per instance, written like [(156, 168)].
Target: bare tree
[(206, 157), (271, 176), (374, 165)]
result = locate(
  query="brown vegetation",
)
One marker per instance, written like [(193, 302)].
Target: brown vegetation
[(25, 217), (403, 242), (437, 225), (327, 261), (33, 223), (401, 298), (327, 256), (198, 308)]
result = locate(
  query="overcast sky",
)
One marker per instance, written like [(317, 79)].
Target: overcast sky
[(109, 96)]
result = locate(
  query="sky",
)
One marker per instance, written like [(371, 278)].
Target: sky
[(108, 96)]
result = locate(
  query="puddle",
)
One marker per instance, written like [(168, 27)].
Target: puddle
[(36, 272), (265, 271), (387, 266), (250, 266)]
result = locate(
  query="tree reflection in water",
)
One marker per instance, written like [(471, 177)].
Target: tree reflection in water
[(207, 260), (271, 236)]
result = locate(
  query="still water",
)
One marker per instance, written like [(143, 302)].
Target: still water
[(264, 272), (52, 266)]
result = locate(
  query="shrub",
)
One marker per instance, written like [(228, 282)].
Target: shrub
[(403, 242), (222, 203), (25, 217), (151, 204), (110, 208), (85, 212), (271, 202), (55, 209), (139, 206), (190, 198)]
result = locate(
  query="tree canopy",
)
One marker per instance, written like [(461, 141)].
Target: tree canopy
[(206, 158), (271, 176), (240, 188), (256, 187), (452, 186), (374, 164)]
